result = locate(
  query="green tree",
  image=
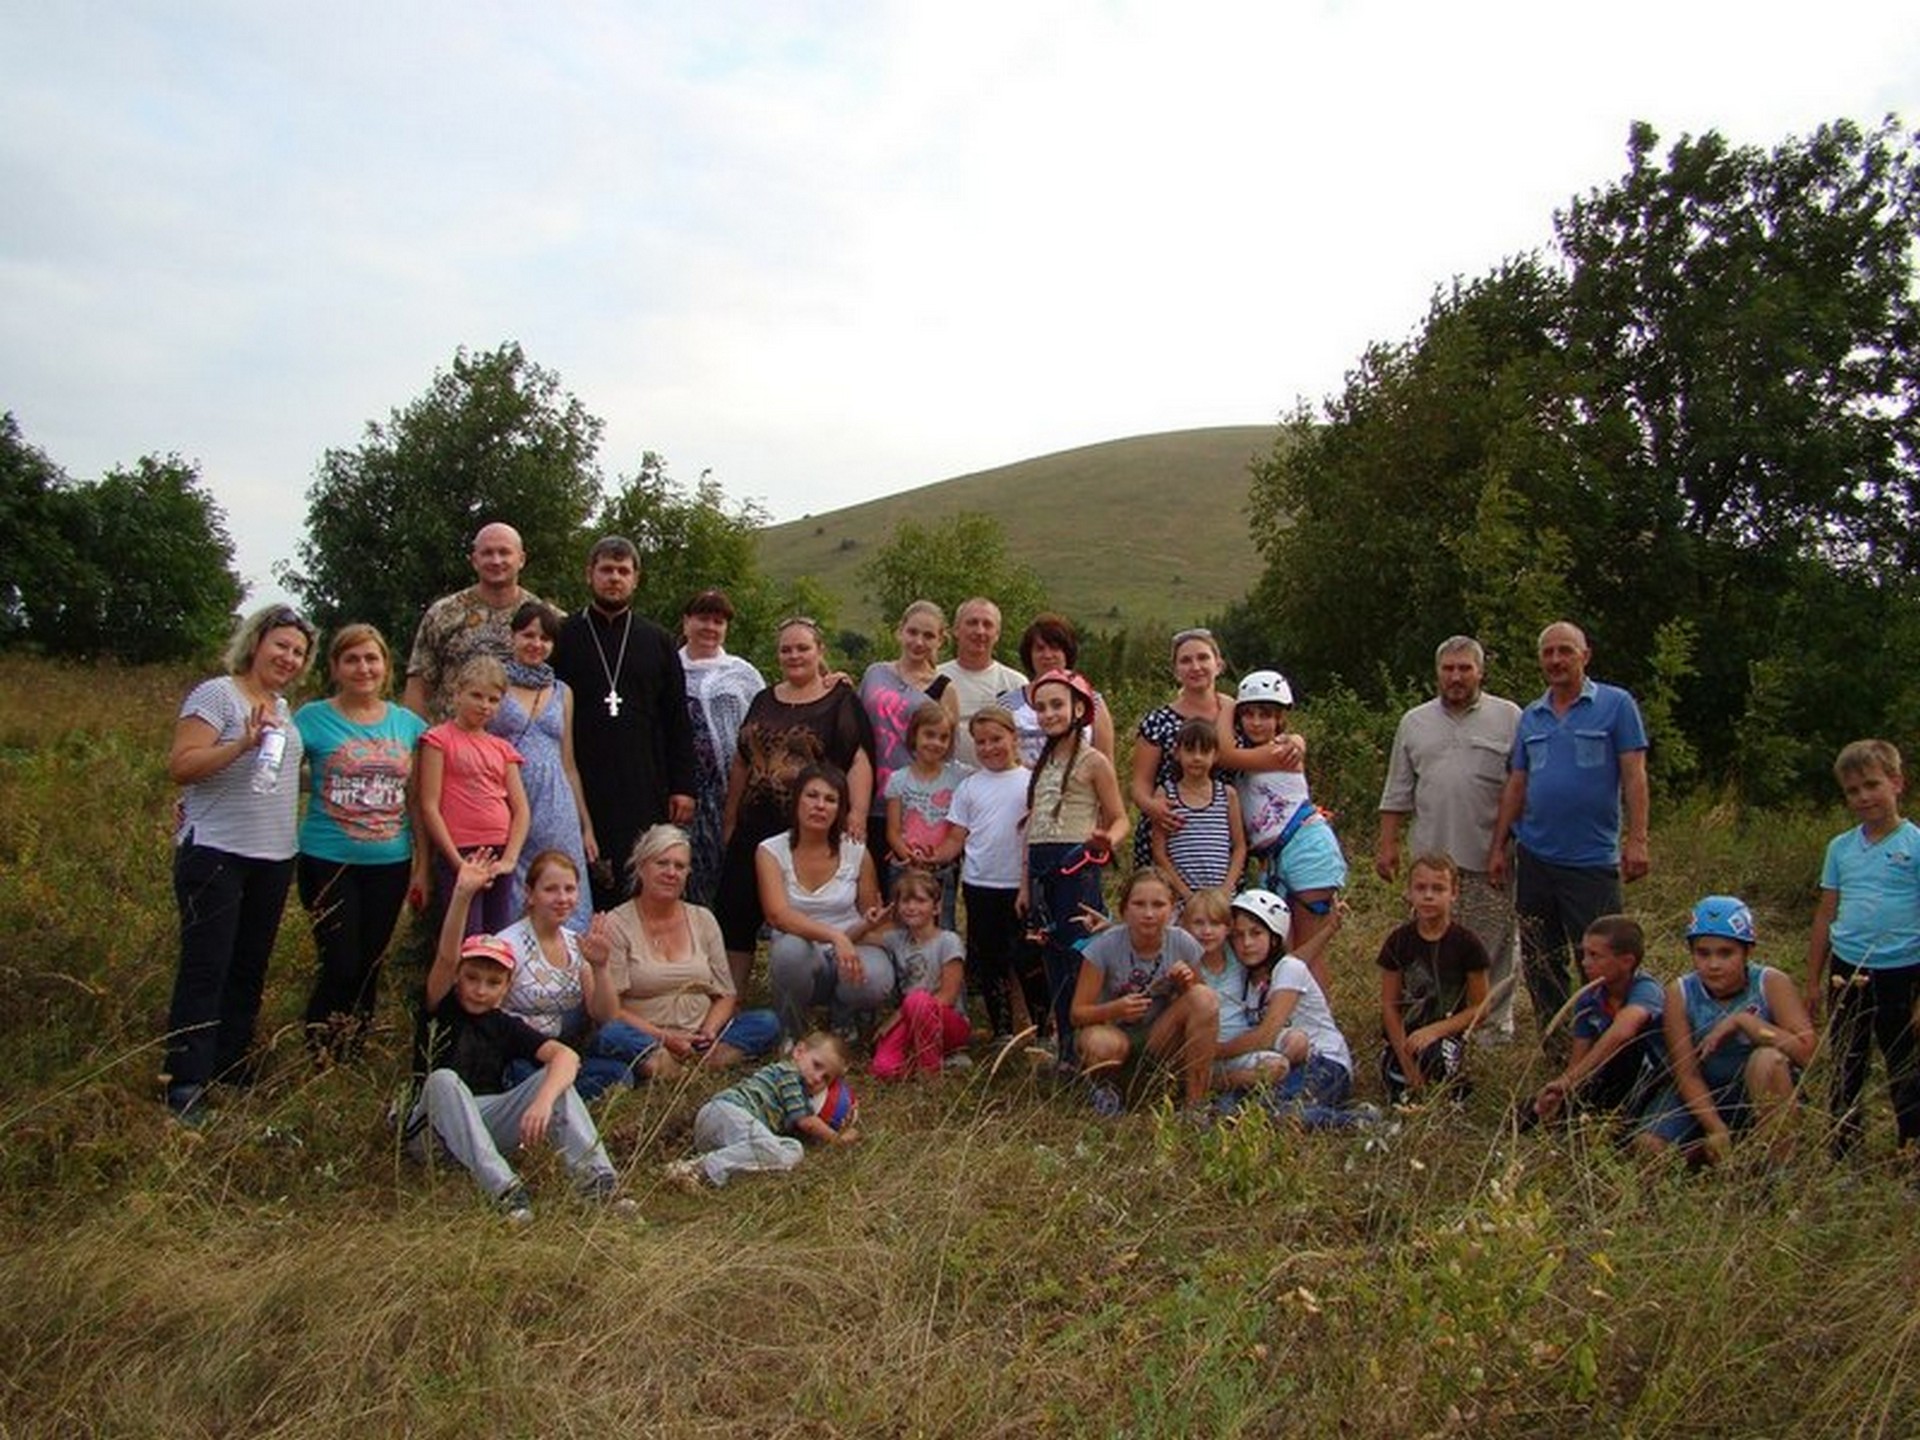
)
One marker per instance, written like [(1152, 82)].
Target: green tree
[(1364, 517), (390, 524), (171, 591), (137, 565), (948, 561), (1746, 328), (1704, 405), (37, 558)]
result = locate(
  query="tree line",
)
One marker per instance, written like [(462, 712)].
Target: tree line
[(1691, 423), (136, 565)]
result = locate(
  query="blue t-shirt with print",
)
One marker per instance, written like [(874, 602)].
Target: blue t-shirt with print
[(1877, 924)]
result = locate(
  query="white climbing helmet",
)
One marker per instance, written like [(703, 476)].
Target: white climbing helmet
[(1267, 687)]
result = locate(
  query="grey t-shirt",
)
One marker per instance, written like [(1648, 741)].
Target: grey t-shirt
[(1124, 972), (917, 963), (220, 810)]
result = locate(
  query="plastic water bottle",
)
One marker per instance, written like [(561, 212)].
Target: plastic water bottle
[(272, 750)]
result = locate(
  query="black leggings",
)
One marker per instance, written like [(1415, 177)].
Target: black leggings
[(353, 909), (1873, 1006), (998, 952)]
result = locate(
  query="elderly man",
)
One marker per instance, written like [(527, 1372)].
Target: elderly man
[(632, 737), (1579, 760), (1447, 769), (978, 679), (470, 622)]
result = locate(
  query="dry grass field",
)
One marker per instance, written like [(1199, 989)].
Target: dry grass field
[(992, 1260)]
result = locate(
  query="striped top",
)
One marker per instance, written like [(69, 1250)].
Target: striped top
[(775, 1095), (220, 811), (1202, 848)]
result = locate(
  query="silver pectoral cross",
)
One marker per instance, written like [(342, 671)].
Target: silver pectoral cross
[(613, 703)]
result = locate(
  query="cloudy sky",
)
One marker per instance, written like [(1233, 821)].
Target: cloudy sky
[(825, 250)]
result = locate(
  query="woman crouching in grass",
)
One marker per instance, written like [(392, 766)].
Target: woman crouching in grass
[(1136, 994)]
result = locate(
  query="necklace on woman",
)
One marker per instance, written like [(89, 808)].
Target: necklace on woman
[(613, 670), (663, 930)]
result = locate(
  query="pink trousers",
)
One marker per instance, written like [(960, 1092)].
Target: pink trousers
[(928, 1031)]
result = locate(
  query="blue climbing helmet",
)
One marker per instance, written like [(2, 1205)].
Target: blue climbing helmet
[(1726, 916)]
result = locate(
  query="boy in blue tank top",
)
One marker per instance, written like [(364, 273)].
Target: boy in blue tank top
[(1737, 1035), (1868, 926)]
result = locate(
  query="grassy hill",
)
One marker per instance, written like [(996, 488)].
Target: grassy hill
[(1150, 529)]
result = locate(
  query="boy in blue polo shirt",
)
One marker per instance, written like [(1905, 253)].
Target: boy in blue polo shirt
[(1864, 953)]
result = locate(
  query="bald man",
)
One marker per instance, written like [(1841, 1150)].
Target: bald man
[(470, 622), (1579, 761), (978, 679)]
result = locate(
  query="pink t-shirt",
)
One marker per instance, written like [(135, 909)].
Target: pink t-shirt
[(473, 786)]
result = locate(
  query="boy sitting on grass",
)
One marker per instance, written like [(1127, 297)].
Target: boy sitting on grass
[(752, 1125), (1737, 1036), (461, 1053), (1433, 986), (1619, 1048)]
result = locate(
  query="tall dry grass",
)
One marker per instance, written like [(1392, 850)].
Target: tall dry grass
[(992, 1260)]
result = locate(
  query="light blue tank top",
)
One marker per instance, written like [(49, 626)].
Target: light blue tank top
[(1704, 1011)]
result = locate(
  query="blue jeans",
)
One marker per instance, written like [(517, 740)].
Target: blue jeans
[(1054, 902), (616, 1052), (1314, 1094)]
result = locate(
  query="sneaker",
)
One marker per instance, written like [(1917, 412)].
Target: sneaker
[(516, 1205), (604, 1190), (188, 1104), (1107, 1100), (688, 1174), (959, 1060)]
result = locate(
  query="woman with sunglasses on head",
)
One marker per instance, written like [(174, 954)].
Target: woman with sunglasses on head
[(1197, 666), (804, 718), (236, 758)]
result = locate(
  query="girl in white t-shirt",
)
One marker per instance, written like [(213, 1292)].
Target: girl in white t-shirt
[(983, 832), (1239, 1063), (1290, 1014)]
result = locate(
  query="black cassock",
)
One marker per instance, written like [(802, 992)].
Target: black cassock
[(632, 737)]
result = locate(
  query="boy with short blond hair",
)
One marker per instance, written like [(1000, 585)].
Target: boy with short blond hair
[(1864, 953), (759, 1123)]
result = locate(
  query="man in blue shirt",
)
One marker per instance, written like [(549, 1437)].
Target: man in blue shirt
[(1579, 761)]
